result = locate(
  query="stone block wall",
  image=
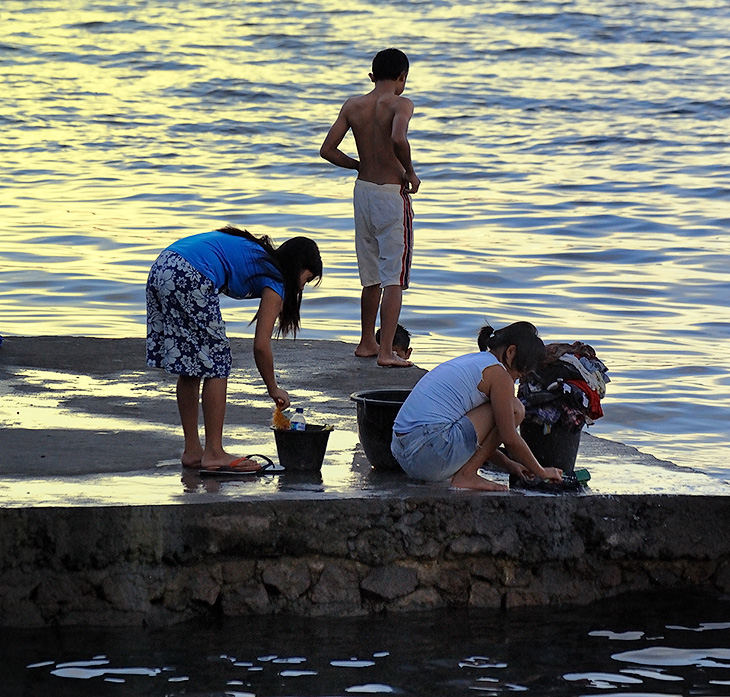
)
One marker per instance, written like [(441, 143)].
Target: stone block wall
[(157, 565)]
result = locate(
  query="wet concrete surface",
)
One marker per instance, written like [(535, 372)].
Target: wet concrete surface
[(83, 422), (101, 525)]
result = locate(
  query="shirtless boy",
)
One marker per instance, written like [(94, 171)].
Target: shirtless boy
[(383, 213)]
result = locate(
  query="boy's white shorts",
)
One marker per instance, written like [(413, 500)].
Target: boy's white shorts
[(383, 233)]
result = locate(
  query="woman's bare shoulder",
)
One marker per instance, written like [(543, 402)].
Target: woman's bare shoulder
[(492, 375)]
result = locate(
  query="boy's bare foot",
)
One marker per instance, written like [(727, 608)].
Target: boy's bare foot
[(474, 481), (393, 361), (367, 350)]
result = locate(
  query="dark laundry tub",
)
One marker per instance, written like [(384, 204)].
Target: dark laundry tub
[(376, 412), (558, 448)]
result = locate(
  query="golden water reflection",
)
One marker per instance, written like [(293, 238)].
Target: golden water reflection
[(572, 172)]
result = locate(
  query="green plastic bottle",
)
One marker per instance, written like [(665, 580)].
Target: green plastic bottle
[(582, 475)]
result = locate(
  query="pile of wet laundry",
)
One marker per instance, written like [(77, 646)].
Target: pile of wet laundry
[(566, 391)]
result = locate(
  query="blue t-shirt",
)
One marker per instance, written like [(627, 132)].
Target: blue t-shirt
[(238, 267), (446, 393)]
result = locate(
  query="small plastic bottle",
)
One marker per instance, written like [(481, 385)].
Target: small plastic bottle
[(297, 420)]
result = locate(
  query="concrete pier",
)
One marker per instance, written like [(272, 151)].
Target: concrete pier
[(99, 524)]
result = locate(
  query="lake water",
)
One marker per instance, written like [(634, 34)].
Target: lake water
[(644, 646), (573, 157)]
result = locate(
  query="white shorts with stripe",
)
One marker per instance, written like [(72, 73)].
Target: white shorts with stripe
[(383, 233)]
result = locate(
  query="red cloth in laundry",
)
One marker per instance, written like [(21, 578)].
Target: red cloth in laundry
[(594, 401)]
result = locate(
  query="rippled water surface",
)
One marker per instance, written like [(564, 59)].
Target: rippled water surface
[(643, 646), (574, 158)]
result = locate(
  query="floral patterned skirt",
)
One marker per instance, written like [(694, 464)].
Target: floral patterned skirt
[(186, 334)]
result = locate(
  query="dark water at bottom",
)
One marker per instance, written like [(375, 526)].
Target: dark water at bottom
[(668, 644)]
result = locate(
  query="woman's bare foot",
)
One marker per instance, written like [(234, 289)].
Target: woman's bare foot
[(238, 464), (474, 481), (192, 458)]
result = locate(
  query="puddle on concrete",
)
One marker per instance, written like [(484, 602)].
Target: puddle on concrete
[(344, 474), (46, 400)]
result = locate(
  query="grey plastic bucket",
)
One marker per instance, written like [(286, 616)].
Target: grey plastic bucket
[(376, 412)]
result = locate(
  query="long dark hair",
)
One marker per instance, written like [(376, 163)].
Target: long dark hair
[(529, 347), (287, 261)]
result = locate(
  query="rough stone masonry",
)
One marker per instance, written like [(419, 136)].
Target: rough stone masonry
[(160, 565)]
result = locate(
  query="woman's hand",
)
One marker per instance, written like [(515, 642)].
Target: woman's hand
[(553, 474), (512, 467), (269, 309), (522, 472), (280, 397)]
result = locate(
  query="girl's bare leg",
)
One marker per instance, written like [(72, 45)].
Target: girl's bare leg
[(188, 394), (467, 477), (214, 414), (212, 456), (488, 439)]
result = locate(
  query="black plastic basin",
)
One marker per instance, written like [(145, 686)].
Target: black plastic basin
[(376, 412), (559, 448)]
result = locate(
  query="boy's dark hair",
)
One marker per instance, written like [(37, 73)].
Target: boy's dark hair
[(401, 338), (389, 64), (530, 352), (287, 263)]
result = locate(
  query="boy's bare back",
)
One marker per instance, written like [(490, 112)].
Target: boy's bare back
[(375, 120), (379, 122)]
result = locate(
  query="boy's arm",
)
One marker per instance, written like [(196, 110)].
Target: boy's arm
[(330, 150), (401, 146)]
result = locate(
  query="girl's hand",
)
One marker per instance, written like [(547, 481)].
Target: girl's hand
[(513, 467), (523, 473), (553, 474), (280, 397)]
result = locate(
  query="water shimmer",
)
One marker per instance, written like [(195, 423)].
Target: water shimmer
[(639, 645), (573, 158)]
